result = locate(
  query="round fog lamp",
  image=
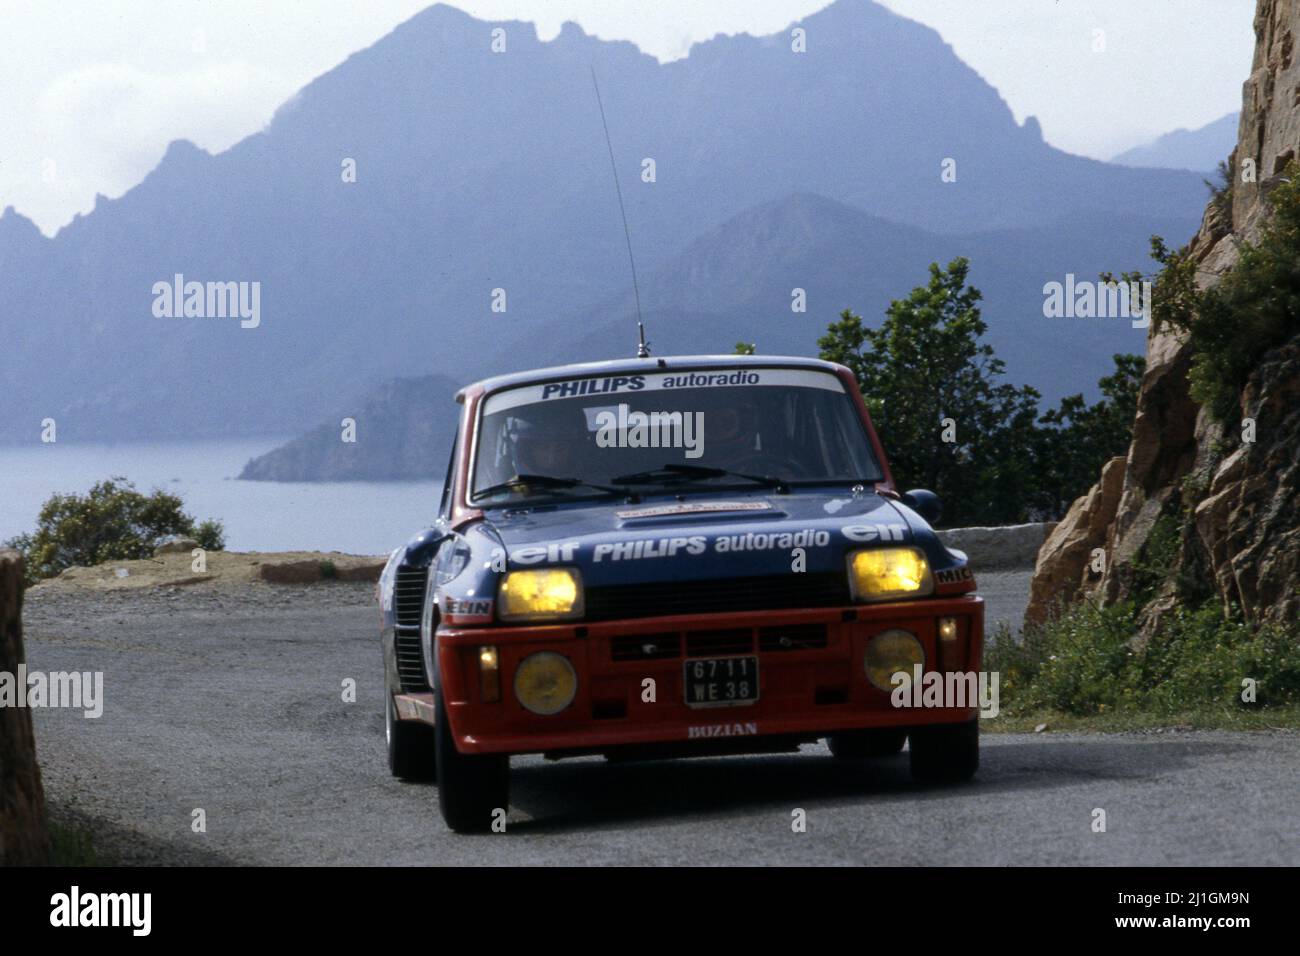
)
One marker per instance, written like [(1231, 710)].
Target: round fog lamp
[(545, 683), (890, 652)]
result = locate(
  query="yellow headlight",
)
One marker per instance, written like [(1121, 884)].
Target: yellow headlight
[(883, 573), (545, 683), (891, 652), (548, 592)]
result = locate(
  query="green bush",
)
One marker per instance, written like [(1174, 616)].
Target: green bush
[(1254, 308), (113, 522), (1082, 663), (210, 534)]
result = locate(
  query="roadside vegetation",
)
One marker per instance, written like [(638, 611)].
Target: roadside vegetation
[(112, 522), (1204, 668)]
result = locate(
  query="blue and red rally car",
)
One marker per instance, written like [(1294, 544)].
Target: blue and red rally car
[(666, 557)]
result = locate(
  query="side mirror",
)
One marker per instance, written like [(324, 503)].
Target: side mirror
[(925, 503)]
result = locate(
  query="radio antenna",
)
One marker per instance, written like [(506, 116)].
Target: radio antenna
[(643, 348)]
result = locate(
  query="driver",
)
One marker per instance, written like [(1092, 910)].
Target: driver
[(731, 435), (539, 449)]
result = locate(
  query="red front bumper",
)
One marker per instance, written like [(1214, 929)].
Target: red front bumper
[(804, 692)]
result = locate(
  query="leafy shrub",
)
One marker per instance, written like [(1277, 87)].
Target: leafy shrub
[(1255, 307), (1075, 664), (210, 534), (113, 522), (1081, 663)]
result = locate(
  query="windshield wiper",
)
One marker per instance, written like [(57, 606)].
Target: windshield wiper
[(674, 473), (543, 481)]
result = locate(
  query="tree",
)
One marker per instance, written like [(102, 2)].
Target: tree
[(932, 387), (112, 522), (1079, 438)]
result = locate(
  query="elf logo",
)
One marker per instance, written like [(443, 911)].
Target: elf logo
[(875, 532)]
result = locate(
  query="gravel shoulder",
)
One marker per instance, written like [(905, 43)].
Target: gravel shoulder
[(229, 699)]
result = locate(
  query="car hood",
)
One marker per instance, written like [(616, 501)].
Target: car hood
[(722, 535)]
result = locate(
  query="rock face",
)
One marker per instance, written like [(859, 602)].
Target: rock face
[(1249, 525), (1065, 561), (24, 839), (1227, 522)]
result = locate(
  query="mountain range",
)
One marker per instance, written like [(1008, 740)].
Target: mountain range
[(1199, 149), (478, 171)]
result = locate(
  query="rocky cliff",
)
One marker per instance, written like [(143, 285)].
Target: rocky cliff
[(1205, 508)]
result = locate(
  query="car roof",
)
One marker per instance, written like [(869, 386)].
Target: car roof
[(665, 363)]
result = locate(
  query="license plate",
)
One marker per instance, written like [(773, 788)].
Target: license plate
[(720, 681)]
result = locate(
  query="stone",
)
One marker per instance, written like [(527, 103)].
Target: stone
[(1063, 569), (174, 544)]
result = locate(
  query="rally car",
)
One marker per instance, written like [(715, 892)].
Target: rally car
[(665, 557)]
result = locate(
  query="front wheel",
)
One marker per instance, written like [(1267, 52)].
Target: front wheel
[(473, 789), (945, 753), (410, 745)]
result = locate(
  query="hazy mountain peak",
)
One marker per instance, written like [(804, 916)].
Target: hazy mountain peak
[(476, 171), (1199, 149), (15, 226)]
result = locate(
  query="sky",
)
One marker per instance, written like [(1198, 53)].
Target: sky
[(94, 92)]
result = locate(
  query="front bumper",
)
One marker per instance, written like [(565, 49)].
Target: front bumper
[(805, 691)]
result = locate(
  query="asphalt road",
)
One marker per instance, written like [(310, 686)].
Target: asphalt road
[(231, 702)]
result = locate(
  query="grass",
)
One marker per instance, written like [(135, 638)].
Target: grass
[(72, 845)]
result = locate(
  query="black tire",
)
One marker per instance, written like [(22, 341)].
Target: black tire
[(945, 753), (857, 744), (410, 746), (471, 787)]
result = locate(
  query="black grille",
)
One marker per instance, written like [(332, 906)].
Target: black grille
[(410, 660), (645, 647), (408, 596), (708, 643), (782, 592), (792, 637)]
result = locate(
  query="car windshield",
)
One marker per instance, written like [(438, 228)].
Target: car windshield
[(686, 430)]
